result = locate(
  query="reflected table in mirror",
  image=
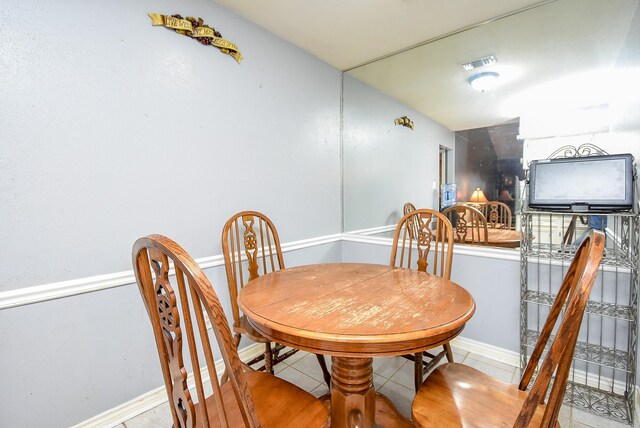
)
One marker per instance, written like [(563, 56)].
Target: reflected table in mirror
[(354, 312), (505, 238)]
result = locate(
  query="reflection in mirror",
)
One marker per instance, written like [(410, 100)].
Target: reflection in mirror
[(488, 160), (568, 69)]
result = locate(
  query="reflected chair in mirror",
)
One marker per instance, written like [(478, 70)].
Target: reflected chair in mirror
[(423, 240), (251, 247), (409, 207), (180, 308), (459, 395), (498, 215), (469, 225)]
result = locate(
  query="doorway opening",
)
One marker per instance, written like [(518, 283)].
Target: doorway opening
[(445, 175)]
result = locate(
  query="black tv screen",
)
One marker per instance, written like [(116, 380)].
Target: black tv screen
[(593, 183)]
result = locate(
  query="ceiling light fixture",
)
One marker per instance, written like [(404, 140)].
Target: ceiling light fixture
[(484, 81)]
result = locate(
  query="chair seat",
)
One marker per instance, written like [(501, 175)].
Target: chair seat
[(245, 327), (455, 395), (278, 404)]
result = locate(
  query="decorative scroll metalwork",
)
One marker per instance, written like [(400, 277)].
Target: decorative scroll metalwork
[(166, 305), (613, 310), (595, 354), (602, 403), (606, 355), (569, 151)]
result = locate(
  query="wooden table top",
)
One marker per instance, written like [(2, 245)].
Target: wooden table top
[(508, 238), (356, 309)]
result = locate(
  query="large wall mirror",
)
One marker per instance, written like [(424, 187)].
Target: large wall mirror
[(552, 58)]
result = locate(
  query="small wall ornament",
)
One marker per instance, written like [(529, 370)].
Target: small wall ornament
[(196, 29), (404, 121)]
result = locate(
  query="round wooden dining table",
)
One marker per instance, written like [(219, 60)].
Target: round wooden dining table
[(353, 312), (497, 237)]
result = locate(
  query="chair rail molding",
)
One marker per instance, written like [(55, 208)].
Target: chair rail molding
[(467, 250), (58, 290), (74, 287)]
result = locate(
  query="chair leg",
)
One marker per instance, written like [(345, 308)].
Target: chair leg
[(268, 367), (449, 352), (417, 370), (325, 371)]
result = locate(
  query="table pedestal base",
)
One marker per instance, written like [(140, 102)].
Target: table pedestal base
[(354, 402)]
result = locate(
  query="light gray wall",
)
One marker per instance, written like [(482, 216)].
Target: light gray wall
[(67, 360), (112, 129), (386, 165)]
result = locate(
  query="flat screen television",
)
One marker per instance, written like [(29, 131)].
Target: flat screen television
[(586, 184)]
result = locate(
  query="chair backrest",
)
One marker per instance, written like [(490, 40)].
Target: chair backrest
[(251, 247), (411, 225), (171, 306), (498, 214), (408, 207), (414, 236), (477, 205), (574, 293), (470, 226)]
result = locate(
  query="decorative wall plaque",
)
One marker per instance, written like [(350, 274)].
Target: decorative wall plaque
[(197, 30), (404, 121)]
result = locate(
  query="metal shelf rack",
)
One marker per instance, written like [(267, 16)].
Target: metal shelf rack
[(603, 375)]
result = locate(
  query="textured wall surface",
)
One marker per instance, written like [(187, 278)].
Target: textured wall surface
[(112, 129)]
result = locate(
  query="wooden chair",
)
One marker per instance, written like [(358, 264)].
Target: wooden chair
[(176, 305), (409, 207), (428, 245), (251, 248), (457, 395), (498, 215), (470, 226)]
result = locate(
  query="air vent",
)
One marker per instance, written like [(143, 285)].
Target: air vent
[(472, 65)]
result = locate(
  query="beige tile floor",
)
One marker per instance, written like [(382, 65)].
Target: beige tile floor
[(393, 377)]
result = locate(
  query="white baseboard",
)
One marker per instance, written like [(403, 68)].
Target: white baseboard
[(488, 351), (158, 396), (512, 358), (147, 401)]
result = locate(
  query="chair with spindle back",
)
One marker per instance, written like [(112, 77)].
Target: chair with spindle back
[(251, 247), (470, 226), (176, 308), (411, 226), (498, 215), (417, 246), (459, 395)]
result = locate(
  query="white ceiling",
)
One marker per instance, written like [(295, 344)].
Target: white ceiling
[(348, 33), (541, 49)]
